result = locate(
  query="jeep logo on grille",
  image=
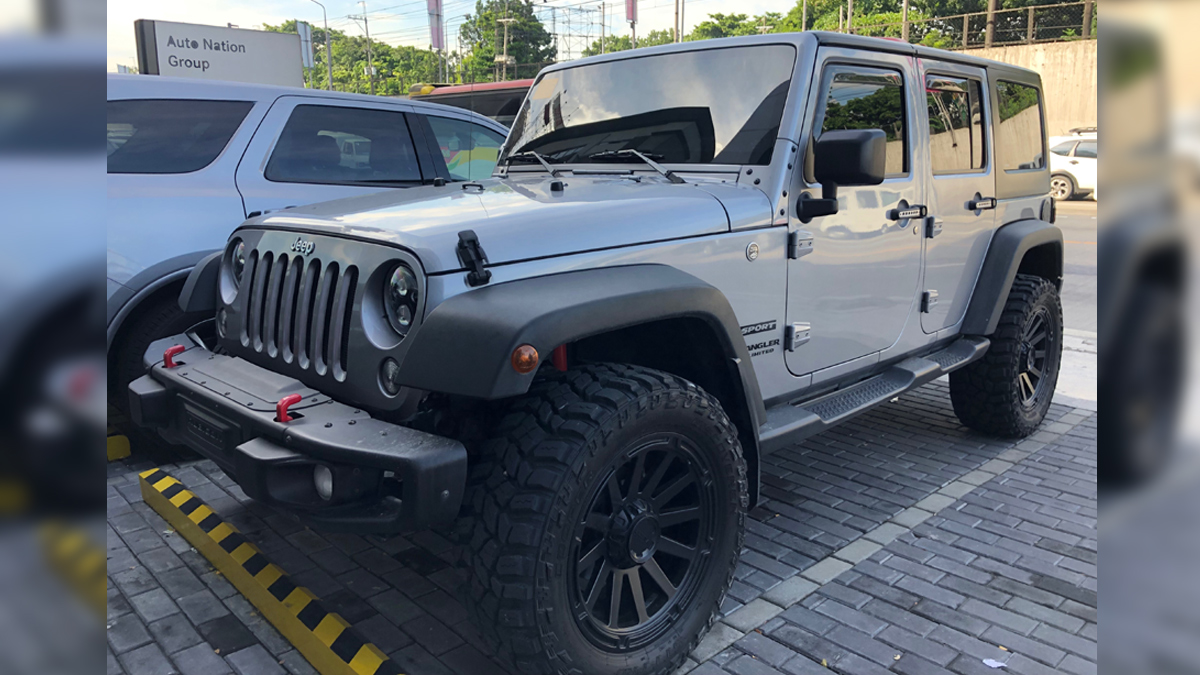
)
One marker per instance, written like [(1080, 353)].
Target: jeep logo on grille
[(303, 247)]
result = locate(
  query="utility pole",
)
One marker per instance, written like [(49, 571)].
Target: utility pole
[(676, 20), (763, 28), (804, 16), (370, 57), (682, 18), (904, 21), (841, 20), (603, 18), (504, 63), (850, 16), (328, 51), (991, 23)]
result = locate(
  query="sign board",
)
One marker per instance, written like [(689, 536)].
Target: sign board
[(306, 49), (218, 53), (437, 29), (631, 11)]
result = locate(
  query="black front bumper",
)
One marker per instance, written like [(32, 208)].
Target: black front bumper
[(386, 478)]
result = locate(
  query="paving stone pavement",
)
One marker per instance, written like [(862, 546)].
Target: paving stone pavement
[(898, 542)]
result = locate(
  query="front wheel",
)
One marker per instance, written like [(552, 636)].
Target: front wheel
[(1062, 187), (1008, 391), (606, 535)]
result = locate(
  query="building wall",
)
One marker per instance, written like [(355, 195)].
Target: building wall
[(1068, 71)]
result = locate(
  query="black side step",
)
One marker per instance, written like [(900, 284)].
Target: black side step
[(790, 423)]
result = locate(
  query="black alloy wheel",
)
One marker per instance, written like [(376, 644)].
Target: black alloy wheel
[(643, 543), (1033, 354)]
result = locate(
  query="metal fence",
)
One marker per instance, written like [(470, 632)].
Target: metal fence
[(1022, 25)]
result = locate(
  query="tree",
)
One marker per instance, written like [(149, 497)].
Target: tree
[(620, 43), (529, 44), (397, 68)]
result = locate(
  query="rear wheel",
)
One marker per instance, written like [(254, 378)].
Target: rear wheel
[(1008, 391), (1062, 186), (606, 535)]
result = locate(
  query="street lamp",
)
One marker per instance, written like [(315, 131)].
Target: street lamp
[(328, 51)]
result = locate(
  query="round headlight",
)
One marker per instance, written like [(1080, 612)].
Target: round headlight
[(400, 299), (237, 262)]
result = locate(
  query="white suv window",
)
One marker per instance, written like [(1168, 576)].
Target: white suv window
[(338, 145)]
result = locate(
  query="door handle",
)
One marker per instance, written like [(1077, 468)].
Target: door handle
[(904, 212), (1074, 161), (981, 203)]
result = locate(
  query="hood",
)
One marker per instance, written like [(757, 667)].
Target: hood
[(517, 218)]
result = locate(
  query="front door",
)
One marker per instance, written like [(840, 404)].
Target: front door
[(853, 283), (962, 189)]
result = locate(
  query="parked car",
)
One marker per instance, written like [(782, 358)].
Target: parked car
[(584, 358), (1074, 166), (497, 100), (190, 159)]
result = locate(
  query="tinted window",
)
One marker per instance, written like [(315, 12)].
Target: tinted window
[(170, 136), (712, 106), (470, 150), (1063, 149), (344, 146), (868, 99), (1019, 136), (955, 124), (1086, 149)]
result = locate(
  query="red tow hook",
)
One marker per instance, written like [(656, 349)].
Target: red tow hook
[(281, 408), (170, 354), (558, 357)]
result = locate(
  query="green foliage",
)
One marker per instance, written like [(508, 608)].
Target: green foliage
[(620, 43), (733, 25), (396, 68), (868, 112), (528, 40)]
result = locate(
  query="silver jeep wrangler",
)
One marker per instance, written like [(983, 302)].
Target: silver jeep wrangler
[(689, 256)]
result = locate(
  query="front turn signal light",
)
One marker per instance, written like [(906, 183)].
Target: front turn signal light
[(525, 359)]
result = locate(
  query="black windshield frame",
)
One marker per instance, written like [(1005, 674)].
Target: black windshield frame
[(718, 106)]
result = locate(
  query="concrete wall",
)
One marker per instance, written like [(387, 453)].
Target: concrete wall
[(1068, 71)]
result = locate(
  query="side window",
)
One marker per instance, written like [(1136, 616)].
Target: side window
[(470, 151), (170, 135), (1019, 136), (1063, 149), (865, 98), (1086, 149), (344, 146), (955, 124)]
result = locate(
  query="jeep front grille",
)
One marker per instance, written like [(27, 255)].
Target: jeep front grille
[(299, 309)]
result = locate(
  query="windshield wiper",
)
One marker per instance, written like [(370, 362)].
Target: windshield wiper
[(530, 154), (630, 152)]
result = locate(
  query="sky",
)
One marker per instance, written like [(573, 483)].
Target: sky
[(405, 22)]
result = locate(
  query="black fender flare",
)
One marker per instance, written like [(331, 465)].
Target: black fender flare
[(1004, 257), (465, 345)]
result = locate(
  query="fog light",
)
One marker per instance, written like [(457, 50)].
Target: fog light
[(323, 480), (222, 321), (389, 376)]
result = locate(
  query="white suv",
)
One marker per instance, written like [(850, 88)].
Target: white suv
[(1073, 165), (189, 160)]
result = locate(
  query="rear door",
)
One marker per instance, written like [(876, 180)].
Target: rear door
[(1085, 164), (962, 189), (852, 283), (311, 150)]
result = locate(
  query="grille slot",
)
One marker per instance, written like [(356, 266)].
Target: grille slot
[(299, 311)]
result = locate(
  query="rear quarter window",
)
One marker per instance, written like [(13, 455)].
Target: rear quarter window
[(1019, 133), (164, 136)]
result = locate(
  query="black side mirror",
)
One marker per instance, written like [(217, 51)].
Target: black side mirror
[(848, 157)]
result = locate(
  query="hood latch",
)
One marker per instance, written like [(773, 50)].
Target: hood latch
[(471, 255)]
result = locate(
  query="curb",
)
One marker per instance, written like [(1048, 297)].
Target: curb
[(118, 447), (323, 637)]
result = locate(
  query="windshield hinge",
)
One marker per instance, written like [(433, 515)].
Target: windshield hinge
[(471, 255)]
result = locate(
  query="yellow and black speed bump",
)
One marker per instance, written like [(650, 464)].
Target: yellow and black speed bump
[(323, 637)]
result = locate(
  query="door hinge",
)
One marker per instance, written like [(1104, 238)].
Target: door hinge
[(929, 300), (800, 244), (797, 334), (933, 226)]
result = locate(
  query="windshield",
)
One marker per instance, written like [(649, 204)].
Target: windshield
[(715, 106)]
